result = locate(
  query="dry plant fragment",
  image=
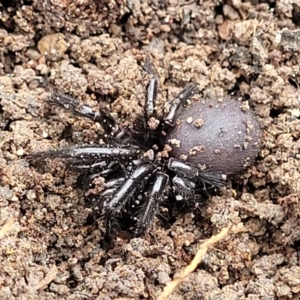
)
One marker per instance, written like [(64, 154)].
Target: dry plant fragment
[(49, 277), (7, 227), (194, 263)]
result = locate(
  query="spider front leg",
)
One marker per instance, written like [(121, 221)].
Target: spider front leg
[(151, 92), (175, 104), (102, 117)]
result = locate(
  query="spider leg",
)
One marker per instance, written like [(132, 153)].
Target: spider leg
[(203, 176), (175, 104), (184, 189), (85, 179), (183, 182), (214, 178), (110, 187), (183, 168), (151, 94), (148, 66), (149, 209), (80, 165), (90, 160), (106, 171), (128, 187), (102, 117), (151, 91), (113, 206), (89, 155)]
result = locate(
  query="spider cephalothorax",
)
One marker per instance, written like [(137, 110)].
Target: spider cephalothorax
[(160, 157)]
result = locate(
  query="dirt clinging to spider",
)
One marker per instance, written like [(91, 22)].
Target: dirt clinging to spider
[(227, 141)]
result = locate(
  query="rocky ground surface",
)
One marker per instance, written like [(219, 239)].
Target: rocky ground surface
[(95, 50)]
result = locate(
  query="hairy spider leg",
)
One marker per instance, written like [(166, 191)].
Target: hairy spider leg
[(113, 206), (213, 178), (205, 176), (104, 170), (150, 206), (109, 189), (175, 104), (184, 185), (89, 155), (111, 186), (151, 91), (92, 161), (183, 188), (182, 168), (102, 117), (151, 94), (149, 67), (129, 186)]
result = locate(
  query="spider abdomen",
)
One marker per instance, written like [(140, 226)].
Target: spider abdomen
[(218, 137)]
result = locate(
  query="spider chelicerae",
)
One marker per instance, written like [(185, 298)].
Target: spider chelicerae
[(159, 157)]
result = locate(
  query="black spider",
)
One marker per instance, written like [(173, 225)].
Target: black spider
[(159, 158)]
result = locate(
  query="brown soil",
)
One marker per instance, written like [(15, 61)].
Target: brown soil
[(95, 50)]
